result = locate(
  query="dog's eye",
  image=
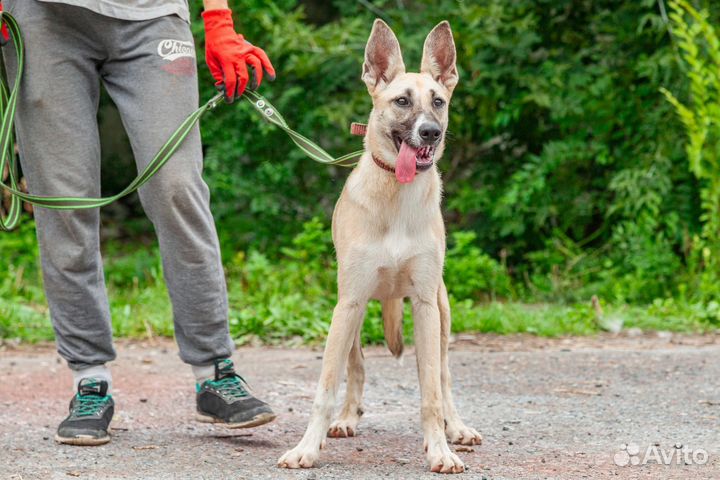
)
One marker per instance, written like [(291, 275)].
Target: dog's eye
[(402, 102), (438, 102)]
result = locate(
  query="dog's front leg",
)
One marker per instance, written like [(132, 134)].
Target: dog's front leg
[(427, 346), (455, 430), (347, 317)]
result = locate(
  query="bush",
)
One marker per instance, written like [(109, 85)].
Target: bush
[(565, 174), (471, 273), (699, 45)]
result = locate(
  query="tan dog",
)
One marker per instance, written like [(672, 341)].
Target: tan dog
[(390, 240)]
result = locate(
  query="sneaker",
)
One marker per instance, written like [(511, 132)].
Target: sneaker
[(90, 413), (226, 400)]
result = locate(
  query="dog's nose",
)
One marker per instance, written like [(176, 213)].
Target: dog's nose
[(430, 132)]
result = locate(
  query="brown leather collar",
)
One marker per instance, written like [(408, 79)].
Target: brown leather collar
[(383, 165), (390, 169)]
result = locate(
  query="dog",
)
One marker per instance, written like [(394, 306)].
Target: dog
[(389, 237)]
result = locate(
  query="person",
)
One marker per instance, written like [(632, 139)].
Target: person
[(142, 51)]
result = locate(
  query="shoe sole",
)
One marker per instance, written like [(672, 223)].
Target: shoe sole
[(82, 441), (256, 421)]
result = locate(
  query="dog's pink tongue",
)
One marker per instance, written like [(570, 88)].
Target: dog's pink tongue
[(405, 163)]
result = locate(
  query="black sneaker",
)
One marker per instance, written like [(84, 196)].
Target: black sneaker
[(226, 400), (90, 413)]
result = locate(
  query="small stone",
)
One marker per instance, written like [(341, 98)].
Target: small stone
[(143, 400), (402, 460), (634, 332), (359, 449), (145, 447)]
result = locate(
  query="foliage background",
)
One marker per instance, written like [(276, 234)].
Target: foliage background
[(565, 173)]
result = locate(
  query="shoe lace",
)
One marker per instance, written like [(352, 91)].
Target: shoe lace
[(90, 404), (232, 387)]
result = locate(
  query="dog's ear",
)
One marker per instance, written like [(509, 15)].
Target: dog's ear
[(439, 56), (383, 60)]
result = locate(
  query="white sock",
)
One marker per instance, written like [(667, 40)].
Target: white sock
[(203, 373), (98, 372)]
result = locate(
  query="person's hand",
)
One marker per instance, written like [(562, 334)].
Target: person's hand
[(4, 34), (228, 55)]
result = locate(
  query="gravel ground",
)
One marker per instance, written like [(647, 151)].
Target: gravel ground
[(556, 409)]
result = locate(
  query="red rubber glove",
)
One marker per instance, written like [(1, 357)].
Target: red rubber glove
[(228, 55), (4, 34)]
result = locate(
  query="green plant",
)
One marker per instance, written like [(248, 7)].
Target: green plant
[(472, 274), (699, 47), (563, 175)]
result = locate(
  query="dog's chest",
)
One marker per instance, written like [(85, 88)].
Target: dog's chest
[(401, 261), (406, 225), (407, 246)]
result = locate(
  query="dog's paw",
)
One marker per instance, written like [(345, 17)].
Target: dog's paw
[(459, 434), (445, 462), (298, 458), (440, 458), (343, 427)]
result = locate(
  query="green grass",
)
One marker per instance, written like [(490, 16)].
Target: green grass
[(289, 298), (277, 317)]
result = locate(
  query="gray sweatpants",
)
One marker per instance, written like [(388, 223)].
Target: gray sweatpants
[(148, 68)]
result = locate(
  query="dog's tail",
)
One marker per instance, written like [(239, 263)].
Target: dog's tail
[(392, 313)]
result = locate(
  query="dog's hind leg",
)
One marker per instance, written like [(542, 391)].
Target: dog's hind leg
[(455, 429), (427, 347), (347, 318), (347, 421)]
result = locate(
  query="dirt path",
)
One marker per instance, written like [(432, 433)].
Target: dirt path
[(556, 409)]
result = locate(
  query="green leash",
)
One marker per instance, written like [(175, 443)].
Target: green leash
[(8, 159)]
